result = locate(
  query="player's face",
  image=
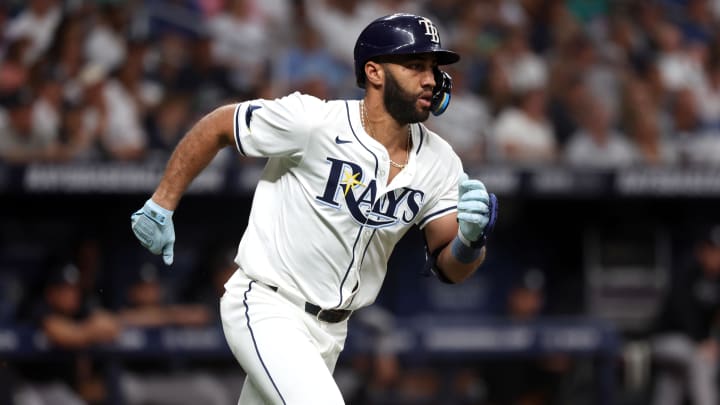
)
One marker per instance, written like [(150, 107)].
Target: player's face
[(413, 104)]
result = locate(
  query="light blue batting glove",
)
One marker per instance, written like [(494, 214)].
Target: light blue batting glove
[(153, 226), (477, 212)]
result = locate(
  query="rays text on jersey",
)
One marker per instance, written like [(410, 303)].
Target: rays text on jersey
[(346, 182)]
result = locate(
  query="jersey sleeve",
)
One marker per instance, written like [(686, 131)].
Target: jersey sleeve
[(270, 128), (445, 201)]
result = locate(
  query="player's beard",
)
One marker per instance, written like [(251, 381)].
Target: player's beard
[(400, 104)]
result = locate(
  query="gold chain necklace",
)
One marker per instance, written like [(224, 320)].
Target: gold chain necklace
[(366, 123)]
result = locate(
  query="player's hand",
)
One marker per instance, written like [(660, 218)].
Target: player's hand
[(477, 211), (153, 226)]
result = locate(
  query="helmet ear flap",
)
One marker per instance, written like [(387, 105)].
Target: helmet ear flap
[(441, 92)]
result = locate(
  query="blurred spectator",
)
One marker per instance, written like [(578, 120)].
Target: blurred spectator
[(66, 56), (697, 22), (23, 140), (680, 62), (205, 288), (685, 343), (168, 125), (522, 134), (476, 35), (207, 283), (80, 143), (37, 22), (202, 77), (626, 45), (154, 19), (685, 113), (397, 6), (14, 73), (105, 44), (527, 381), (88, 255), (339, 22), (495, 87), (466, 135), (158, 382), (579, 60), (68, 324), (168, 58), (146, 92), (708, 93), (525, 69), (148, 304), (47, 106), (643, 94), (279, 16), (651, 148), (568, 96), (241, 44), (113, 114), (308, 67), (446, 12), (596, 143), (374, 372), (649, 17), (549, 23), (697, 143)]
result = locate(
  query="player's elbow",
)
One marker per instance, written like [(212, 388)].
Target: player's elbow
[(219, 125), (460, 276)]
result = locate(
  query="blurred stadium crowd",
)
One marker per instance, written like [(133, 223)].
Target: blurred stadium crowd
[(584, 83), (601, 83)]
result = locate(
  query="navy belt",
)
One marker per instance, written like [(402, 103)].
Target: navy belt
[(325, 315)]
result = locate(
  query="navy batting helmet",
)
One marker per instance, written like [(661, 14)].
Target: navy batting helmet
[(399, 34), (406, 34)]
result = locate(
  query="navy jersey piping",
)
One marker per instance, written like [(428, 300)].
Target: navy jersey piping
[(357, 237), (347, 271), (237, 130), (347, 110), (422, 137), (435, 214), (362, 258)]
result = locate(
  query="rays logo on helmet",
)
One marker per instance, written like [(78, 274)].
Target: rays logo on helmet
[(430, 30)]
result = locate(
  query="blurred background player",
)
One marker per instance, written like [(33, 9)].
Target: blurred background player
[(147, 381), (685, 344), (69, 325), (527, 380)]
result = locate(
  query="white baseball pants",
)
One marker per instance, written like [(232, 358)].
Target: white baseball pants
[(289, 356), (688, 371)]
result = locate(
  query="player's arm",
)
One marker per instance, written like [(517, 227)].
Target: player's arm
[(152, 224), (456, 242), (194, 152), (100, 327), (439, 235)]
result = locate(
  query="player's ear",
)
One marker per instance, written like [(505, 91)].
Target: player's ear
[(374, 73)]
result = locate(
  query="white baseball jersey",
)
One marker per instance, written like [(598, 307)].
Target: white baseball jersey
[(324, 219)]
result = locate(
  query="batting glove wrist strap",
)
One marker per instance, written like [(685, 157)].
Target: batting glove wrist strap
[(156, 212), (463, 250)]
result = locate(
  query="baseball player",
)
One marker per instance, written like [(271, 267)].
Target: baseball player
[(344, 181)]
